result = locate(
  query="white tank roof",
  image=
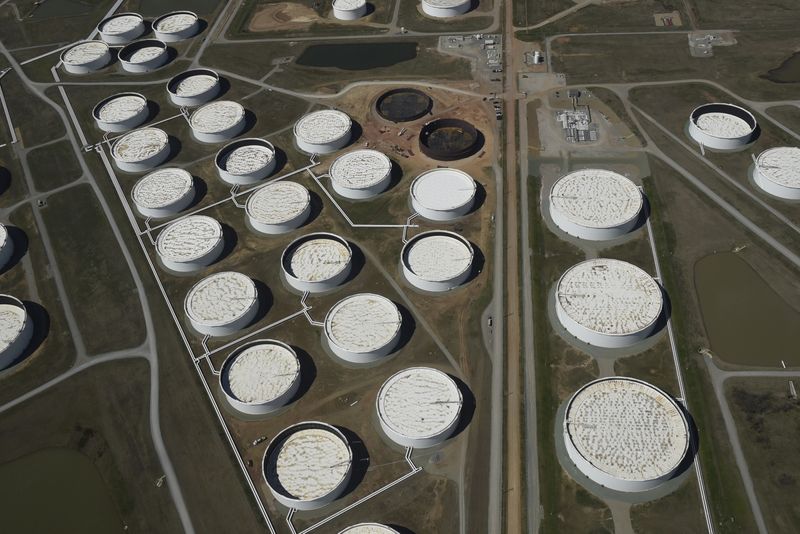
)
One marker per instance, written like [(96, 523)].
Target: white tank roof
[(176, 22), (627, 428), (419, 402), (360, 169), (248, 158), (262, 372), (596, 198), (278, 202), (322, 126), (221, 298), (121, 108), (3, 235), (443, 189), (439, 257), (312, 462), (121, 24), (161, 188), (146, 53), (611, 297), (83, 53), (368, 528), (780, 165), (217, 116), (139, 145), (349, 5), (12, 320), (319, 259), (446, 3), (363, 323), (195, 85), (189, 238), (723, 125)]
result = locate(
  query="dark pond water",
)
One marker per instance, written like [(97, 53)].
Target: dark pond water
[(788, 72), (357, 56)]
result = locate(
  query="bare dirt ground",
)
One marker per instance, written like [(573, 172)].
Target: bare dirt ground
[(282, 16)]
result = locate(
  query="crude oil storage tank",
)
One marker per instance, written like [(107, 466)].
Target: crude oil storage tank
[(121, 28), (608, 303), (625, 434), (323, 132), (308, 465), (222, 303), (349, 9), (86, 57), (419, 407), (121, 112), (260, 377), (437, 260), (163, 192), (141, 150), (16, 329), (363, 328), (6, 247), (777, 171), (361, 174), (722, 126), (143, 56), (443, 194), (194, 87), (245, 161), (317, 262), (176, 26), (445, 8), (190, 243), (369, 528), (278, 208), (218, 121), (595, 204), (449, 139)]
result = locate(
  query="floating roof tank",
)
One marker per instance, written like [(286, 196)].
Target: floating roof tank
[(121, 112), (222, 303), (190, 243), (279, 207), (141, 150), (777, 171), (722, 126), (323, 132), (86, 57), (143, 56), (445, 8), (349, 9), (363, 328), (176, 26), (443, 194), (121, 28), (16, 329), (437, 261), (6, 246), (245, 161), (218, 121), (163, 192), (317, 262), (361, 174), (194, 87), (369, 528)]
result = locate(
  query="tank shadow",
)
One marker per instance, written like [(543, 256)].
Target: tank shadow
[(20, 241), (361, 459), (467, 407), (308, 373), (41, 328)]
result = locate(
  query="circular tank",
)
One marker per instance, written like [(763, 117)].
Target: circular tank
[(121, 112), (608, 303), (245, 161), (445, 8), (16, 329), (722, 126), (85, 57), (625, 434), (419, 407), (449, 139), (194, 87), (349, 9), (217, 122), (260, 377), (141, 150), (368, 528), (317, 262), (121, 28), (323, 132), (190, 243), (404, 104), (6, 246), (595, 204), (777, 171), (176, 26), (308, 465), (222, 303), (279, 207), (443, 194), (163, 193), (363, 328), (143, 56), (361, 174), (437, 261)]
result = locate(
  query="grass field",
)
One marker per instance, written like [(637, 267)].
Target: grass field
[(679, 511), (789, 116), (53, 166), (772, 16)]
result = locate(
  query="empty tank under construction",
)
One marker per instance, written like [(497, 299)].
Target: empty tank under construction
[(141, 150), (437, 261), (777, 171), (222, 303), (722, 126), (317, 262), (361, 174), (190, 243), (323, 132), (363, 328), (16, 329), (121, 112), (245, 161), (278, 208), (443, 194), (625, 434), (163, 192)]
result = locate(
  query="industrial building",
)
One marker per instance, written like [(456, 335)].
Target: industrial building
[(194, 87), (163, 193), (419, 407), (121, 28), (218, 121), (190, 243), (176, 26), (260, 377), (141, 150), (16, 330), (349, 9), (363, 328), (222, 304), (317, 262), (777, 171), (625, 434), (443, 194), (445, 8), (245, 161), (143, 56), (722, 126), (278, 208), (308, 465), (6, 247), (361, 174), (608, 303), (369, 528), (437, 261), (595, 204), (121, 112), (323, 132), (86, 57)]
